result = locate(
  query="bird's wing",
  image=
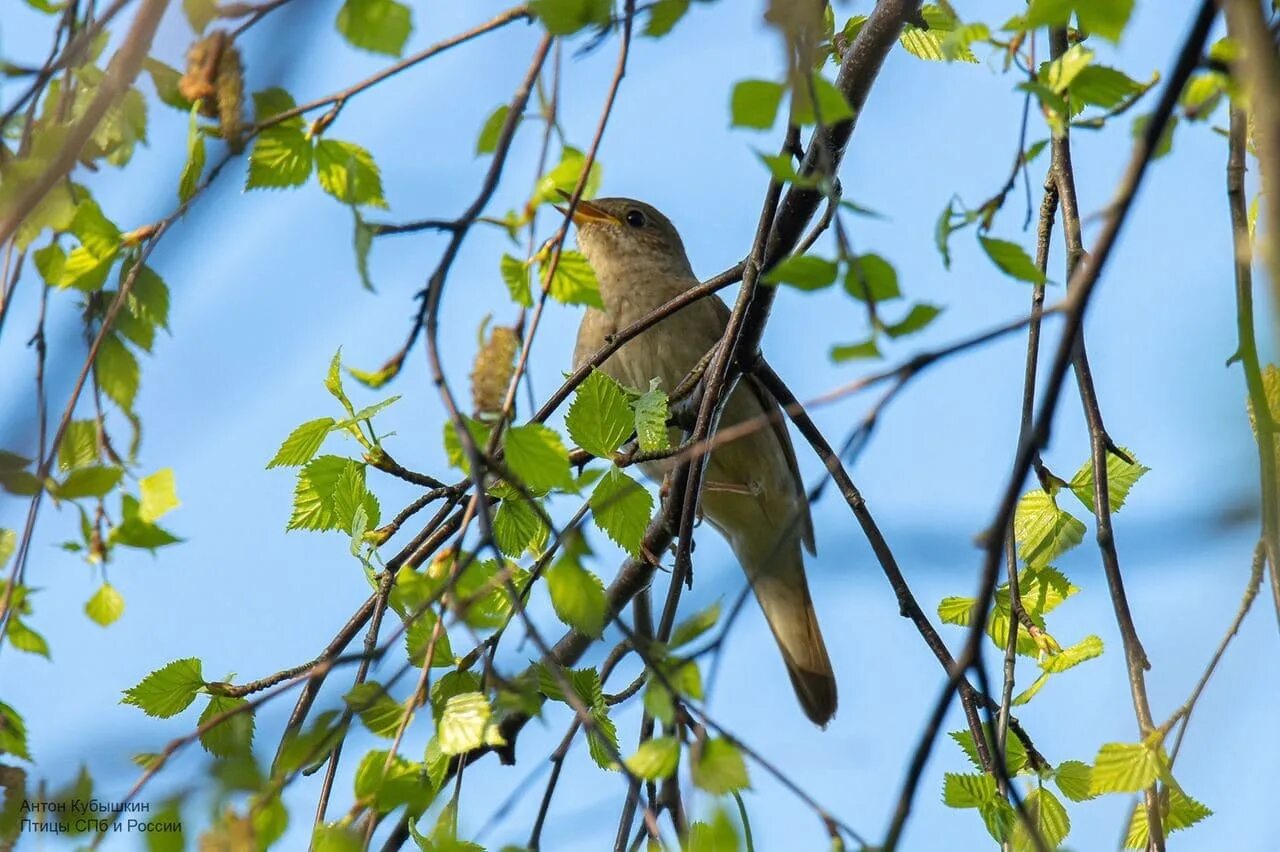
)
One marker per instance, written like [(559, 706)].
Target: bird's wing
[(595, 327), (779, 427)]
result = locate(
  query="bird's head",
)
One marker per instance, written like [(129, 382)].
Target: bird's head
[(622, 238)]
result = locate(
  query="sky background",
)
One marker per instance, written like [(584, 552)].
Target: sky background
[(265, 289)]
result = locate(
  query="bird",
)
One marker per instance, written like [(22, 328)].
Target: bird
[(752, 493)]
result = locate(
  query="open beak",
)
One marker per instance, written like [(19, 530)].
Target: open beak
[(586, 213)]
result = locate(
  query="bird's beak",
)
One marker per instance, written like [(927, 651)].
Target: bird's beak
[(586, 213)]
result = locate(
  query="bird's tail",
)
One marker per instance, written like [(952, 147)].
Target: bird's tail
[(776, 571)]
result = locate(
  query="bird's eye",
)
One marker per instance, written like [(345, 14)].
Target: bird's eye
[(635, 218)]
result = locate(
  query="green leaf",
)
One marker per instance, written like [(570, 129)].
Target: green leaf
[(578, 596), (199, 13), (1107, 18), (106, 606), (361, 243), (1178, 812), (538, 459), (515, 274), (467, 723), (13, 737), (165, 78), (754, 103), (303, 443), (322, 483), (194, 167), (282, 156), (333, 383), (136, 531), (1042, 530), (574, 281), (348, 173), (719, 768), (600, 418), (870, 276), (1012, 260), (1165, 143), (1085, 649), (655, 759), (25, 639), (388, 787), (1104, 87), (380, 26), (517, 527), (417, 640), (920, 316), (8, 543), (149, 298), (117, 372), (651, 415), (566, 17), (453, 448), (231, 737), (804, 272), (564, 177), (1075, 780), (944, 40), (1121, 477), (379, 712), (492, 129), (855, 351), (694, 626), (1059, 74), (831, 106), (664, 15), (87, 266), (621, 508), (158, 495), (1048, 818), (967, 791), (1015, 753), (95, 481), (1128, 767), (167, 691)]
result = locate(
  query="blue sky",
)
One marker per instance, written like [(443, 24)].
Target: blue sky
[(265, 290)]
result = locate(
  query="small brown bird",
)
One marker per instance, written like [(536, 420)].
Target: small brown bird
[(752, 491)]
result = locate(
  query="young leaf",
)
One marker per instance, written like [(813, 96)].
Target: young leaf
[(515, 274), (664, 15), (302, 444), (574, 281), (517, 527), (117, 372), (621, 508), (655, 759), (348, 173), (13, 735), (1075, 780), (804, 272), (167, 691), (651, 419), (566, 17), (231, 737), (315, 498), (719, 768), (466, 723), (379, 26), (823, 103), (577, 596), (194, 167), (379, 712), (536, 456), (487, 143), (600, 418), (1042, 530), (855, 351), (1128, 767), (106, 606), (1012, 260), (916, 319), (754, 103), (1121, 477), (1048, 819), (95, 481), (870, 276), (282, 156), (158, 495)]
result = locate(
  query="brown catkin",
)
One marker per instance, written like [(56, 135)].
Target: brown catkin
[(230, 94), (492, 371), (202, 70)]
